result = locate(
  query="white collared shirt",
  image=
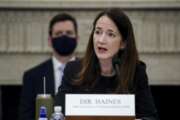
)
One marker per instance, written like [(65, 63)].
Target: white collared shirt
[(58, 74)]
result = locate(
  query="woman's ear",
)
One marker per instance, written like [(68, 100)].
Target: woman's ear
[(122, 45)]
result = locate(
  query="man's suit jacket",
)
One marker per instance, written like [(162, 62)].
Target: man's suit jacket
[(33, 85)]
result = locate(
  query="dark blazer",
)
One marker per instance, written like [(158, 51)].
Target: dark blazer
[(145, 108), (33, 85)]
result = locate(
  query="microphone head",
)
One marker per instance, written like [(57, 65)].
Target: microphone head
[(116, 61), (117, 58)]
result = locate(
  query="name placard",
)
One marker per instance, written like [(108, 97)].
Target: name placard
[(99, 105)]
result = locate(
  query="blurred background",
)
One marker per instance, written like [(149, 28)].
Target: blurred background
[(24, 43)]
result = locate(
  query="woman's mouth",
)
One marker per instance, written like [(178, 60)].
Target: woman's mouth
[(102, 49)]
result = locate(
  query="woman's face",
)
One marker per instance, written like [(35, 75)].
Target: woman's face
[(107, 39)]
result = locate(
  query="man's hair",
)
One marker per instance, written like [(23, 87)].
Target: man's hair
[(60, 18)]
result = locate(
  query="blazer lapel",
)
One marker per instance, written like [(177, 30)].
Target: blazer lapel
[(50, 78)]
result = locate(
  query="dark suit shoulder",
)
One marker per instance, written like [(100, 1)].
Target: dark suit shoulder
[(145, 107), (75, 63), (71, 72), (73, 67), (40, 67), (140, 78), (141, 69), (141, 65), (36, 73)]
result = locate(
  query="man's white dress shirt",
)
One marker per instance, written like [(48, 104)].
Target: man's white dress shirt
[(58, 72)]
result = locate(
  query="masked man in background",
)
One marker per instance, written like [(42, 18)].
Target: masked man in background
[(63, 37)]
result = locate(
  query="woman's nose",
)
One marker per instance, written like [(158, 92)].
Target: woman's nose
[(102, 38)]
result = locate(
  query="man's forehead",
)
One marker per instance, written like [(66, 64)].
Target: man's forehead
[(64, 25)]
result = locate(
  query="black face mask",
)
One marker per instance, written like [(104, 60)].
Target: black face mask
[(64, 45)]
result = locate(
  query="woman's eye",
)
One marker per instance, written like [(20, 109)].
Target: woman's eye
[(97, 32), (111, 35)]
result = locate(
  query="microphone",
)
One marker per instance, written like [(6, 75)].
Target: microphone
[(116, 62), (117, 58)]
